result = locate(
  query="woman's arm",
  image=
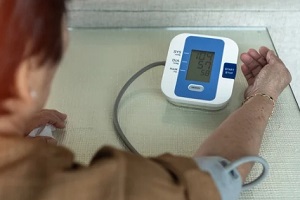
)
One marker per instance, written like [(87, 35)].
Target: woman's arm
[(242, 132)]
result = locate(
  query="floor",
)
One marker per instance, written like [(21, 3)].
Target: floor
[(281, 17)]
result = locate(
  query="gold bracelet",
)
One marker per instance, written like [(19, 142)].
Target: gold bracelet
[(260, 94)]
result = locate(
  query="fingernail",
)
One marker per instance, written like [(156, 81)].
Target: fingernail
[(65, 116)]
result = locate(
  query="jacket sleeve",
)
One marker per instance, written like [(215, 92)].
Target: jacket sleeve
[(36, 171), (163, 177)]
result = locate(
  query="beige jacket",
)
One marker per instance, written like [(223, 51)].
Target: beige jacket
[(32, 170)]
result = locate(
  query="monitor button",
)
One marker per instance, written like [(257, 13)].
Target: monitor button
[(196, 88)]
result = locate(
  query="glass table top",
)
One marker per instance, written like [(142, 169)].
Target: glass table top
[(100, 61)]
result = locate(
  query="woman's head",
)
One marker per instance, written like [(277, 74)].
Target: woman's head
[(32, 41)]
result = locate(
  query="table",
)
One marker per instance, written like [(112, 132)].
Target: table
[(100, 61)]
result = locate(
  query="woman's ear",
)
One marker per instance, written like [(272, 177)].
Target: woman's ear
[(24, 90), (22, 103), (33, 82)]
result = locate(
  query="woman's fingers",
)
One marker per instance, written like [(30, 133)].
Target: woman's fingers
[(47, 140), (253, 65), (62, 116), (264, 51), (248, 75), (258, 57), (44, 117), (55, 118)]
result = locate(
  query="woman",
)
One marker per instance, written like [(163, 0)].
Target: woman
[(33, 38)]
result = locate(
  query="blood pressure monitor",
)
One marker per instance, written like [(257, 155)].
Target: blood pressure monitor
[(200, 71)]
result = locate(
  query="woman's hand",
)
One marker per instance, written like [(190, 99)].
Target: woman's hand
[(44, 117), (264, 72)]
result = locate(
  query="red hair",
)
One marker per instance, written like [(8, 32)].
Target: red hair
[(38, 22)]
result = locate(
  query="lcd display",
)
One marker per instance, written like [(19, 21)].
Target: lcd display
[(200, 66)]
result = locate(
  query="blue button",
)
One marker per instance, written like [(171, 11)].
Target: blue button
[(229, 70), (196, 88)]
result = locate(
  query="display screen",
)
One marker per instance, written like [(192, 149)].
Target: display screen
[(200, 66)]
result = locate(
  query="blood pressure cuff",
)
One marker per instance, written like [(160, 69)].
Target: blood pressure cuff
[(227, 177), (229, 183), (220, 184)]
